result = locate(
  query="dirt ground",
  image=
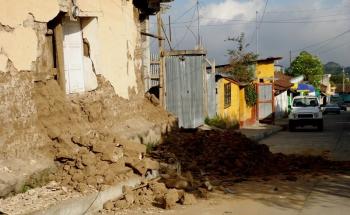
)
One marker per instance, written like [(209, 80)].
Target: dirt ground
[(271, 195)]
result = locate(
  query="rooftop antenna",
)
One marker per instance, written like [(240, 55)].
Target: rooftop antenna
[(198, 22)]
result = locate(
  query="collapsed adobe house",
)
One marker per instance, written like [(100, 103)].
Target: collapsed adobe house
[(71, 70)]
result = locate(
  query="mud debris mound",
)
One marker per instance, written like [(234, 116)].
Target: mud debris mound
[(95, 137), (228, 153), (152, 193)]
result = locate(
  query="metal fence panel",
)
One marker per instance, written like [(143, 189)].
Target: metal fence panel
[(265, 101), (265, 110), (184, 89), (211, 94), (265, 93)]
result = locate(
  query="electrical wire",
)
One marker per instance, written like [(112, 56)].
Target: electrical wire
[(186, 32), (182, 15), (303, 19), (323, 41), (343, 45), (262, 17)]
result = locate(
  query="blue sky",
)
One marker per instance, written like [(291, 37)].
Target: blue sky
[(287, 25)]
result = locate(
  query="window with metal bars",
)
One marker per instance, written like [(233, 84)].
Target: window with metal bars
[(227, 95)]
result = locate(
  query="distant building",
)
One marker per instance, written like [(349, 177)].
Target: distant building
[(279, 68), (265, 69)]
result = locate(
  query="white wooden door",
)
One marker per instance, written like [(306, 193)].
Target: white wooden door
[(73, 57)]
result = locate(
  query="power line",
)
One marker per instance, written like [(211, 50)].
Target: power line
[(185, 34), (259, 25), (297, 20), (184, 13), (343, 45), (280, 21), (323, 41), (262, 17)]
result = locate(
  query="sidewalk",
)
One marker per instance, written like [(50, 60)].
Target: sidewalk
[(260, 131)]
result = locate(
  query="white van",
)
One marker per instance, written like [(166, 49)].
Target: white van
[(305, 110)]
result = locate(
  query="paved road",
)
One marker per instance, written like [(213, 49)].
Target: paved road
[(333, 142)]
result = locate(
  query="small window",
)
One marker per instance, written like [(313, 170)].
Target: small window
[(227, 95)]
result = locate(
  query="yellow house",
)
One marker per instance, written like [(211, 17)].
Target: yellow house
[(231, 102), (228, 99), (265, 69), (247, 114)]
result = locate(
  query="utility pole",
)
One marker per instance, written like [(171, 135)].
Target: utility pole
[(161, 59), (169, 29), (257, 34), (290, 58), (343, 80)]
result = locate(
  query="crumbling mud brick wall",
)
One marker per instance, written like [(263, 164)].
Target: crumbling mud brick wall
[(37, 118), (22, 41), (27, 57)]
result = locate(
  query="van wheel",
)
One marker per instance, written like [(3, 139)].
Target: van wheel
[(320, 126), (291, 126)]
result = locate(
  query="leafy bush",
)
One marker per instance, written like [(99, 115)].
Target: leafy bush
[(250, 95)]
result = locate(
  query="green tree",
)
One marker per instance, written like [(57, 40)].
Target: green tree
[(242, 61), (308, 65), (243, 66)]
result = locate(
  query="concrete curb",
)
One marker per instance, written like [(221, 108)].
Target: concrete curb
[(90, 204), (265, 134)]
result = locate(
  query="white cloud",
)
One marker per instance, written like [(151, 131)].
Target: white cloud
[(230, 9), (276, 39)]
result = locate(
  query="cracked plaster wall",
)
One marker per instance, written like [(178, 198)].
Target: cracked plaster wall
[(114, 42), (26, 57), (19, 44)]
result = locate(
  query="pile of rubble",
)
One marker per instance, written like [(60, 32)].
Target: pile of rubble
[(150, 194), (95, 139), (87, 134), (230, 154), (90, 161)]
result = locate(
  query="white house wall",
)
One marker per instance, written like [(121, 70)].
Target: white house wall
[(14, 12), (281, 105), (113, 54)]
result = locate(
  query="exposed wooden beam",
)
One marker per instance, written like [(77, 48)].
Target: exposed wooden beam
[(152, 35)]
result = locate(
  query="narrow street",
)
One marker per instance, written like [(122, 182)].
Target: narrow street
[(333, 142), (314, 193)]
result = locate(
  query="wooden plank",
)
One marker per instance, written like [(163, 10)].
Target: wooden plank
[(185, 52), (58, 32)]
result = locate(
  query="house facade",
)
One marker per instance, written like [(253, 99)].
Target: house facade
[(67, 45), (282, 84), (265, 69), (73, 41), (230, 98)]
